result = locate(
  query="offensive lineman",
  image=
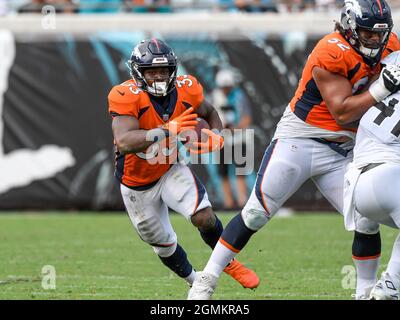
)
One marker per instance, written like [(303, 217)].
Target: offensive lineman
[(148, 112), (314, 137), (372, 182)]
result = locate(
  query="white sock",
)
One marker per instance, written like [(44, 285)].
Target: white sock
[(393, 267), (219, 259), (366, 274), (190, 278)]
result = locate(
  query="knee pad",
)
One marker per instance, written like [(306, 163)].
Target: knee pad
[(152, 232), (164, 252), (254, 219), (281, 182), (366, 226), (283, 174)]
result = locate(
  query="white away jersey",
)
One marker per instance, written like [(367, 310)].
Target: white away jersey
[(378, 136)]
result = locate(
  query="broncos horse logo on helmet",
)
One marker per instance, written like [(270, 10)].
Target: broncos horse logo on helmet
[(153, 53), (368, 15)]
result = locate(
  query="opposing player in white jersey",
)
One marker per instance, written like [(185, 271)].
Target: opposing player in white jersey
[(372, 182), (314, 137)]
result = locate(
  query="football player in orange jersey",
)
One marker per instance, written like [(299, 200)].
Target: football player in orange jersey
[(148, 113), (314, 138)]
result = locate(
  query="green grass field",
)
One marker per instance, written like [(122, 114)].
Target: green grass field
[(99, 256)]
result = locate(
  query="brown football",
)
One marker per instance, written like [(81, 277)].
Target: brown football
[(195, 134)]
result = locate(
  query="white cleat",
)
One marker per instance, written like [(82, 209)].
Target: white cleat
[(384, 289), (364, 296), (203, 287)]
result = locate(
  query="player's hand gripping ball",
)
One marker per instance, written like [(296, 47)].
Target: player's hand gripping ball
[(201, 139), (188, 137)]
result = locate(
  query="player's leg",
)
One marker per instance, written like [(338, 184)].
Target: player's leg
[(223, 167), (246, 277), (149, 216), (184, 193), (376, 197), (366, 248), (388, 286), (229, 202), (284, 168), (242, 191)]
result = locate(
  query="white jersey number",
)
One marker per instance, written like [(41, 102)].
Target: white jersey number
[(185, 81), (342, 46)]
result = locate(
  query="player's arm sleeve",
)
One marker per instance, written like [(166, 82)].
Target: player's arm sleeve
[(121, 105)]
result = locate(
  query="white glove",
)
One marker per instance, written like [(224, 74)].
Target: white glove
[(388, 82)]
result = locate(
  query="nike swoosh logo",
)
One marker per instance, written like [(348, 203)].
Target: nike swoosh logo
[(121, 93)]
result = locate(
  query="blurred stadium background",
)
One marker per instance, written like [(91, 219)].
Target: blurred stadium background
[(60, 58)]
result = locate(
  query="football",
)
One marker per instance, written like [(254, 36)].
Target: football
[(202, 124), (195, 134)]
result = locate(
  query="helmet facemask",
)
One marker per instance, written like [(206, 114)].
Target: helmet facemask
[(369, 48), (159, 86)]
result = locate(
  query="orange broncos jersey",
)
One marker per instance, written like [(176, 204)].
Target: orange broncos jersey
[(332, 53), (142, 169)]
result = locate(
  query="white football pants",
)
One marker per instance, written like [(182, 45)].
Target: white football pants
[(286, 165), (377, 194), (179, 190)]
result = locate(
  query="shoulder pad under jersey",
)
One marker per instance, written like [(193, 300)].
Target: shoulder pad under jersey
[(393, 43), (332, 54), (191, 89), (123, 98)]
